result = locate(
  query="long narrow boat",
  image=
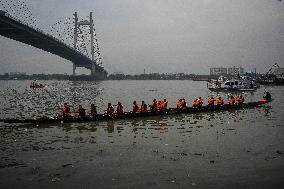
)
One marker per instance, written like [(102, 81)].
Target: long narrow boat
[(105, 117)]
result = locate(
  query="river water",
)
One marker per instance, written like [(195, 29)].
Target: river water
[(230, 149)]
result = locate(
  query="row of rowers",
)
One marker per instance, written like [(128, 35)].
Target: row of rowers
[(154, 107)]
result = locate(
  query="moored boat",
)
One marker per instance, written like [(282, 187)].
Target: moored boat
[(242, 84)]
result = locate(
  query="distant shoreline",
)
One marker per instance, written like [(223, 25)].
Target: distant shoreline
[(153, 76)]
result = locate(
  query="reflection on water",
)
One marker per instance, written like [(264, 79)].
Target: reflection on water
[(110, 127)]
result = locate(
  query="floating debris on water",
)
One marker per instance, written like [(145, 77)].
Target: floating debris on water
[(66, 165), (198, 154), (55, 178), (193, 184)]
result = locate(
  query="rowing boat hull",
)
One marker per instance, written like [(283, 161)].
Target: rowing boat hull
[(104, 117)]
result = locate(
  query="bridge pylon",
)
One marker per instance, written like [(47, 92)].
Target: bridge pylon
[(89, 23)]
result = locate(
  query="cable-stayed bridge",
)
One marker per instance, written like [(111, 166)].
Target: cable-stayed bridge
[(69, 43)]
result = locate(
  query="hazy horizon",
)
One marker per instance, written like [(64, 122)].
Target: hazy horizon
[(162, 36)]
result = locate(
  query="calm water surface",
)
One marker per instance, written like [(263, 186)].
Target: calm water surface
[(232, 149)]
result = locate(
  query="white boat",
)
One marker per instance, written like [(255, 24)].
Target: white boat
[(225, 84)]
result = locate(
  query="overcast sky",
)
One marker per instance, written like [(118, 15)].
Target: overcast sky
[(166, 36)]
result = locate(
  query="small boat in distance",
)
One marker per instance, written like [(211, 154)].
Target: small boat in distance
[(35, 85)]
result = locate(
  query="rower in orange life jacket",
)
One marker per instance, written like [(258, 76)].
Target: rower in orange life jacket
[(81, 111), (179, 104), (110, 110), (220, 101), (159, 105), (119, 109), (66, 111), (240, 99), (165, 104), (231, 100), (143, 107), (162, 104), (198, 102), (194, 103), (211, 101), (93, 112), (154, 106), (135, 107)]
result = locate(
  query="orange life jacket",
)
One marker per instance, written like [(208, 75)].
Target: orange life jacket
[(240, 100), (143, 108), (165, 104), (110, 110), (211, 101), (220, 102), (154, 106), (119, 110), (160, 105), (264, 100), (180, 104), (231, 101), (197, 102), (66, 111), (135, 108)]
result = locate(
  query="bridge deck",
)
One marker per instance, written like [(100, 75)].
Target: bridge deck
[(18, 31)]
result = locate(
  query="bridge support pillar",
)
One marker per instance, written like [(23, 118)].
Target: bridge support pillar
[(74, 69), (93, 70)]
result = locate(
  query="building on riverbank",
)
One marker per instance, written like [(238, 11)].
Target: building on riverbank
[(218, 71)]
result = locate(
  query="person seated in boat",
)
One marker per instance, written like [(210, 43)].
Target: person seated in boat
[(231, 100), (143, 107), (110, 110), (135, 107), (240, 99), (93, 112), (154, 106), (160, 105), (267, 96), (165, 104), (179, 104), (198, 102), (66, 111), (183, 103), (81, 111), (119, 109), (211, 101), (220, 102), (195, 102)]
